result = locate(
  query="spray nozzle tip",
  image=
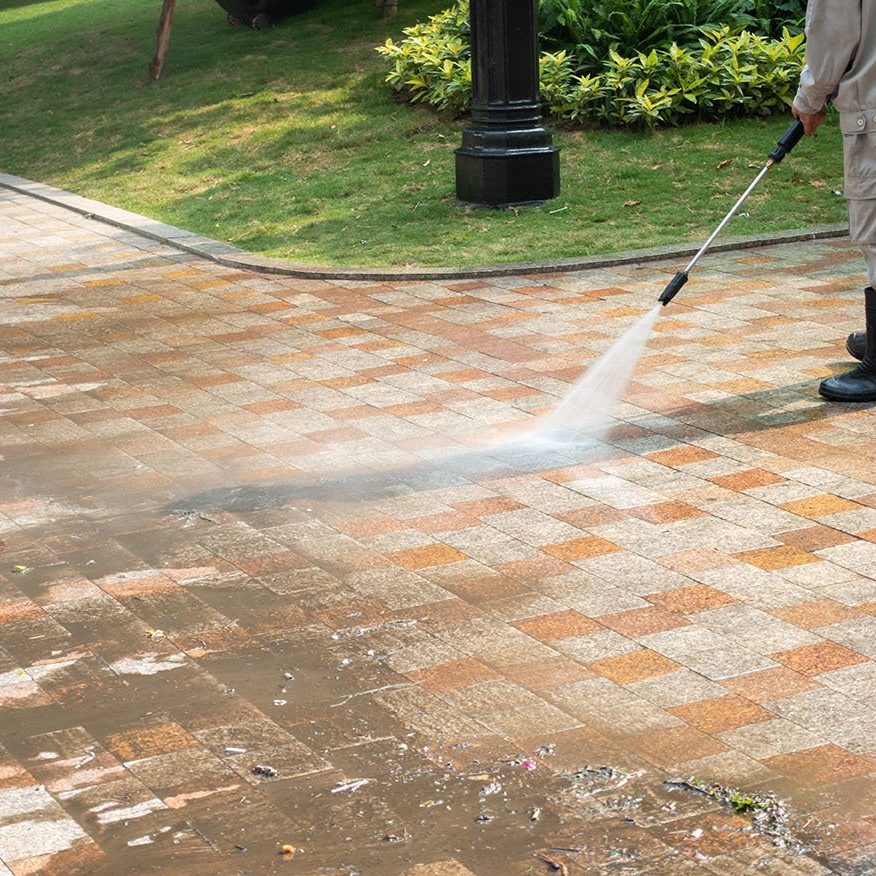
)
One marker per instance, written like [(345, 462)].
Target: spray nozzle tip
[(673, 287)]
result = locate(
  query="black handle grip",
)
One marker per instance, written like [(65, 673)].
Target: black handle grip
[(672, 288), (787, 141)]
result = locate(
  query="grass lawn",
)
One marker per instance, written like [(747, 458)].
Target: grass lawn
[(287, 143)]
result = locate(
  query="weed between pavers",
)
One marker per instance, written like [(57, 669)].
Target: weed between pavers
[(769, 815)]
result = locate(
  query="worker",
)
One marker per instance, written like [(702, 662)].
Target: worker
[(841, 68), (260, 14)]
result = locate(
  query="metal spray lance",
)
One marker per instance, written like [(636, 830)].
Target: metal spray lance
[(786, 143)]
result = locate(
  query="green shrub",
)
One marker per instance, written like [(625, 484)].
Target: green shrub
[(631, 26), (433, 62), (590, 28), (724, 73)]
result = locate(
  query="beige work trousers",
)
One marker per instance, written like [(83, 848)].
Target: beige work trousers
[(869, 251)]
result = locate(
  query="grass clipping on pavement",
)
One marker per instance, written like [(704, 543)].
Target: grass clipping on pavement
[(287, 143)]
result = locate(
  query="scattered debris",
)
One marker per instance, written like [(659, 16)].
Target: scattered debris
[(20, 570), (589, 779), (154, 634), (489, 790), (190, 518), (364, 631), (88, 757), (535, 813), (372, 690), (546, 750), (279, 702), (240, 848), (288, 675), (428, 804), (556, 865), (352, 785), (262, 770), (232, 749), (484, 819), (288, 851), (529, 764), (768, 814), (395, 838)]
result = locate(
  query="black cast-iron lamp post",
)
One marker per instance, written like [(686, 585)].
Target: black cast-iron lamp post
[(506, 155)]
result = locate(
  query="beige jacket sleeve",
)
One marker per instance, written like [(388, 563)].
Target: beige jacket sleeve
[(833, 30)]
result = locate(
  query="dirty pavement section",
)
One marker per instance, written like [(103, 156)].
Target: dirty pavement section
[(267, 585)]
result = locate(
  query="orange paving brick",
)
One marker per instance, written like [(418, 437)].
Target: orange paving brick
[(429, 555), (665, 748), (695, 560), (684, 455), (449, 520), (581, 548), (634, 666), (747, 480), (484, 507), (345, 332), (149, 741), (817, 613), (776, 557), (689, 600), (592, 515), (453, 675), (19, 610), (533, 568), (769, 684), (722, 713), (571, 473), (561, 625), (812, 660), (820, 506), (538, 675), (816, 538), (273, 406), (825, 763), (642, 621), (666, 512)]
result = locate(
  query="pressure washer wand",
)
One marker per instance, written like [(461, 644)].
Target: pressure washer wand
[(786, 143)]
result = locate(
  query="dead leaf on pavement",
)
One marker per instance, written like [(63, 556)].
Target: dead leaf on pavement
[(556, 865)]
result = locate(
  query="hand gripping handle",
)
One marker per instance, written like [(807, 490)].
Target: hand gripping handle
[(787, 141)]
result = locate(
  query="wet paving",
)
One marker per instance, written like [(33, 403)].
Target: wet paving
[(282, 593)]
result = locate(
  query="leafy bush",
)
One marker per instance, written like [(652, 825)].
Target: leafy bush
[(591, 28), (433, 63), (629, 26), (723, 73), (728, 74)]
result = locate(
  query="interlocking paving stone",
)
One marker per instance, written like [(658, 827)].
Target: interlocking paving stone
[(263, 538)]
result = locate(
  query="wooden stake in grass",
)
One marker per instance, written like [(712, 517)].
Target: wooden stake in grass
[(162, 39)]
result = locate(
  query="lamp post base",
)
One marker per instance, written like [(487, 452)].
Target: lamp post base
[(507, 177)]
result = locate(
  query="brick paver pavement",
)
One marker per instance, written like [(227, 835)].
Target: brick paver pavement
[(263, 582)]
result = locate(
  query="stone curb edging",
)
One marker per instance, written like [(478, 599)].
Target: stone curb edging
[(231, 257)]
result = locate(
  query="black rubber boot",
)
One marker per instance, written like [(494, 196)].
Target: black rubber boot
[(858, 385), (856, 344)]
